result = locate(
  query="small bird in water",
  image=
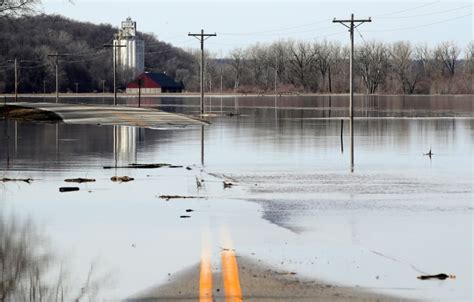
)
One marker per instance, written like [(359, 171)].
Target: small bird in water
[(429, 153)]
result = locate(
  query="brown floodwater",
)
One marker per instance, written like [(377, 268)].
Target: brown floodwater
[(295, 204)]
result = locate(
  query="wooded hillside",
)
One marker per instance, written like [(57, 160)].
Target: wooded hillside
[(31, 39)]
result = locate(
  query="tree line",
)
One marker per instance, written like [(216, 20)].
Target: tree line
[(323, 67), (289, 66)]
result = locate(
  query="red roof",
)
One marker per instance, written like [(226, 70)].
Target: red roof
[(147, 82)]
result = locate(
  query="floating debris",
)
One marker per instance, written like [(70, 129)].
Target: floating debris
[(198, 182), (184, 216), (68, 189), (188, 168), (227, 184), (140, 166), (189, 210), (27, 180), (80, 180), (169, 197), (438, 276), (121, 178), (174, 167)]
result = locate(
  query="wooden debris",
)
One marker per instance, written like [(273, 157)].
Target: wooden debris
[(227, 184), (68, 189), (169, 197), (184, 216), (189, 210), (121, 178), (27, 180), (139, 166), (188, 168), (438, 276), (79, 180)]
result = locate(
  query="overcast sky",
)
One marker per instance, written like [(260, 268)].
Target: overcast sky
[(245, 22)]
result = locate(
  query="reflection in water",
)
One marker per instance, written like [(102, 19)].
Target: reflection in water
[(126, 144), (32, 272), (202, 146)]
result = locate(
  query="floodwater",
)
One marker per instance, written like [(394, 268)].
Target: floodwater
[(295, 204)]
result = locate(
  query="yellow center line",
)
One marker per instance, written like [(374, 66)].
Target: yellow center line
[(205, 280), (230, 273)]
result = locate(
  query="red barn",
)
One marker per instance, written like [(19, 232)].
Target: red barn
[(154, 83)]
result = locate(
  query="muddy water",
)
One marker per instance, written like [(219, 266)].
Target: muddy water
[(296, 206)]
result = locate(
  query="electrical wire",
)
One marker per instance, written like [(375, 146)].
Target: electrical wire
[(417, 26), (408, 9), (430, 14)]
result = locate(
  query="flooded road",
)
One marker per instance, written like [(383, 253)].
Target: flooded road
[(293, 206)]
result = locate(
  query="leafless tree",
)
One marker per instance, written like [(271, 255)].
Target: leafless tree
[(447, 53), (372, 64), (300, 61), (237, 63), (469, 59), (12, 8), (324, 57), (406, 68)]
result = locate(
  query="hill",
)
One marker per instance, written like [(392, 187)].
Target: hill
[(31, 38)]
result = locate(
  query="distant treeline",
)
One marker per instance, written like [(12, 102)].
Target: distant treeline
[(30, 39), (323, 67), (288, 65)]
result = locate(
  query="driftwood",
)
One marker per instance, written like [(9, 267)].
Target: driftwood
[(438, 276), (68, 189), (27, 180), (227, 184), (121, 178), (79, 180), (184, 216), (140, 166), (169, 197)]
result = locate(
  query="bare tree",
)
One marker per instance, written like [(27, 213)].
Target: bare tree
[(403, 63), (469, 59), (237, 63), (447, 53), (301, 61), (12, 8), (372, 64), (323, 52)]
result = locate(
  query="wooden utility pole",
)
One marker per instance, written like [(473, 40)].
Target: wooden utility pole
[(56, 56), (202, 37), (16, 80), (115, 46), (352, 24)]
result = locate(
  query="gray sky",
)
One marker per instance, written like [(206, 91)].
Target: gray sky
[(242, 23)]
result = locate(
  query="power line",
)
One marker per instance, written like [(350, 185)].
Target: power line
[(274, 30), (418, 26), (430, 14), (407, 10)]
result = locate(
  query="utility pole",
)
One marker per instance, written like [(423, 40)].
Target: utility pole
[(351, 25), (15, 62), (103, 86), (115, 46), (202, 37), (16, 80), (56, 56), (77, 87)]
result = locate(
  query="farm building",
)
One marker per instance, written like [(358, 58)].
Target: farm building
[(154, 83)]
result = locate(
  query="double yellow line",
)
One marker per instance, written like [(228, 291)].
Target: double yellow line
[(230, 273)]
